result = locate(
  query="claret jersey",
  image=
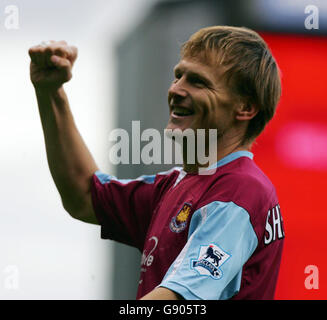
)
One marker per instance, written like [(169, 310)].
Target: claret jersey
[(214, 236)]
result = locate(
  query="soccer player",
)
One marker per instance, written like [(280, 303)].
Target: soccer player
[(202, 236)]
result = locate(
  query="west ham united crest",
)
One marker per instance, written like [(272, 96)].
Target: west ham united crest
[(209, 260), (179, 222)]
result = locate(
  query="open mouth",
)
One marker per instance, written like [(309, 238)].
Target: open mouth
[(182, 111)]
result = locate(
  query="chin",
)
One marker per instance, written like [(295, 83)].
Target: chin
[(179, 124)]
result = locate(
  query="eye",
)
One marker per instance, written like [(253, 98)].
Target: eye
[(197, 81), (178, 75)]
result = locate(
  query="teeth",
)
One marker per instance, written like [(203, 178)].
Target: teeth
[(182, 111)]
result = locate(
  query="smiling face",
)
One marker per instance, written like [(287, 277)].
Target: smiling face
[(199, 99)]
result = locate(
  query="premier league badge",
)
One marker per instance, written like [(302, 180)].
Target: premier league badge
[(209, 261)]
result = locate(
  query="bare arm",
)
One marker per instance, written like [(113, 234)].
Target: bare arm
[(161, 293), (70, 162)]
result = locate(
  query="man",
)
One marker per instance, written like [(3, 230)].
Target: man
[(203, 236)]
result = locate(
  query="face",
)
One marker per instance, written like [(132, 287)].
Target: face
[(198, 98)]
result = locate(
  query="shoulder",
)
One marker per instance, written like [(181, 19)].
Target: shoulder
[(249, 183), (244, 184)]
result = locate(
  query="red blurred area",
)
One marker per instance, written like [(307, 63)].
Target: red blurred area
[(301, 185)]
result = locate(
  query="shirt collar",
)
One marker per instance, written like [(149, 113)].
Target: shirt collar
[(230, 157)]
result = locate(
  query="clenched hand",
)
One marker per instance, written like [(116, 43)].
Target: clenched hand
[(51, 64)]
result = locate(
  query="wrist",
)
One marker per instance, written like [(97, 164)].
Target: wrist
[(53, 98), (48, 90), (55, 94)]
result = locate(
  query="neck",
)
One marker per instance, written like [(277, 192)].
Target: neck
[(213, 157)]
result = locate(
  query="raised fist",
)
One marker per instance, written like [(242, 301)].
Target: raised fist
[(51, 64)]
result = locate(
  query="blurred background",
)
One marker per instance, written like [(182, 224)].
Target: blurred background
[(127, 50)]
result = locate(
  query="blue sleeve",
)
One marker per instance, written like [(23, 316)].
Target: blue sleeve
[(220, 240)]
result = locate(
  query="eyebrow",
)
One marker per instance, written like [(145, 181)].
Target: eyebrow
[(191, 73)]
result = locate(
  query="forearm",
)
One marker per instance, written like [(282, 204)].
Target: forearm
[(70, 162), (161, 293)]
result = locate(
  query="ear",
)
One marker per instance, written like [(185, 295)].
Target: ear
[(246, 111)]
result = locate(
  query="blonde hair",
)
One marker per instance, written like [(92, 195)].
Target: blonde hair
[(249, 68)]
